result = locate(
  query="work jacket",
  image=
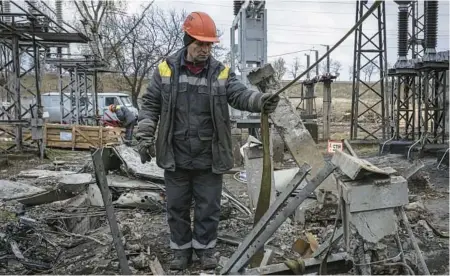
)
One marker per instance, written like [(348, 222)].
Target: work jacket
[(159, 102), (125, 116)]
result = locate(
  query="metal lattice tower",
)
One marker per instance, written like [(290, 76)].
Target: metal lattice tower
[(416, 38), (26, 37), (368, 97)]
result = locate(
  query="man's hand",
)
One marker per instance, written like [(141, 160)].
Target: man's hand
[(146, 149), (270, 105)]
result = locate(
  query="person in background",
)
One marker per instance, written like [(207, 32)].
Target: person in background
[(188, 96), (127, 120)]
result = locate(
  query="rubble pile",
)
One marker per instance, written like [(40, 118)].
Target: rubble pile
[(52, 220)]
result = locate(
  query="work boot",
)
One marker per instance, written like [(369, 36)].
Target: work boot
[(207, 258), (181, 259)]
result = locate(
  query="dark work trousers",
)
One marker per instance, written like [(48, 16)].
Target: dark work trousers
[(129, 134), (205, 188)]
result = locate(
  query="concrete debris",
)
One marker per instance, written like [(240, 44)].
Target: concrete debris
[(141, 199), (122, 182), (133, 165), (64, 229), (13, 190), (40, 174), (375, 225)]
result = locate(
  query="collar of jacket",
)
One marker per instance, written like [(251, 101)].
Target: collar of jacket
[(177, 60)]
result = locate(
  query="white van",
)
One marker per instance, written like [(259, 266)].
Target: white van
[(51, 103)]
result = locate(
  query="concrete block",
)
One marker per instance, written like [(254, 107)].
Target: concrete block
[(362, 196), (374, 225)]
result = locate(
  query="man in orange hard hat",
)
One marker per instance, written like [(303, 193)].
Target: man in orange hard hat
[(188, 96)]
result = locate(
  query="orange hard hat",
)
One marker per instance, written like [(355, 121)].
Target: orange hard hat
[(200, 26)]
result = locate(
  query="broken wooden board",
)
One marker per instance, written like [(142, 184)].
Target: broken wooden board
[(354, 167), (13, 190), (300, 142), (132, 162)]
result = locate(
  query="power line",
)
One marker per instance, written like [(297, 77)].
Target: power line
[(320, 31), (284, 10), (289, 53)]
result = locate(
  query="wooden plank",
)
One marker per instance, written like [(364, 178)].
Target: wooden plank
[(300, 142), (102, 182), (82, 136), (156, 267)]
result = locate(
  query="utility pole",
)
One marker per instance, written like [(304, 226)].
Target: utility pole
[(317, 57), (328, 57), (307, 65)]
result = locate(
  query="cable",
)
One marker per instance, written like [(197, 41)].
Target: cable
[(288, 53)]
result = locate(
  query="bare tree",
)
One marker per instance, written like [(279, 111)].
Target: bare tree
[(136, 53), (279, 65), (93, 15), (350, 73), (335, 67), (295, 68), (368, 71)]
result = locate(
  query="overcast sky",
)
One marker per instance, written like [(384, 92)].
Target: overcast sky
[(295, 25)]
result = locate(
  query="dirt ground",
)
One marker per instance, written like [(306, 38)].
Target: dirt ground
[(146, 233)]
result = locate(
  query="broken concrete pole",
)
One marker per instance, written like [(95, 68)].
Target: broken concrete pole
[(300, 142)]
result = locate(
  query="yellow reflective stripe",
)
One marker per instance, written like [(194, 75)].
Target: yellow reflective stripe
[(164, 69), (224, 73)]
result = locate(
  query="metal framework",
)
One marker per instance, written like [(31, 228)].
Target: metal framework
[(77, 88), (29, 33), (368, 98), (248, 41), (419, 85)]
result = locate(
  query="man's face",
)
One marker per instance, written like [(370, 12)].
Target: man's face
[(199, 51)]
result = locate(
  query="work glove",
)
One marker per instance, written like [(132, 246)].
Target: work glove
[(146, 149), (269, 106)]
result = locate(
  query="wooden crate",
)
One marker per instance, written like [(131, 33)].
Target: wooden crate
[(80, 136)]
